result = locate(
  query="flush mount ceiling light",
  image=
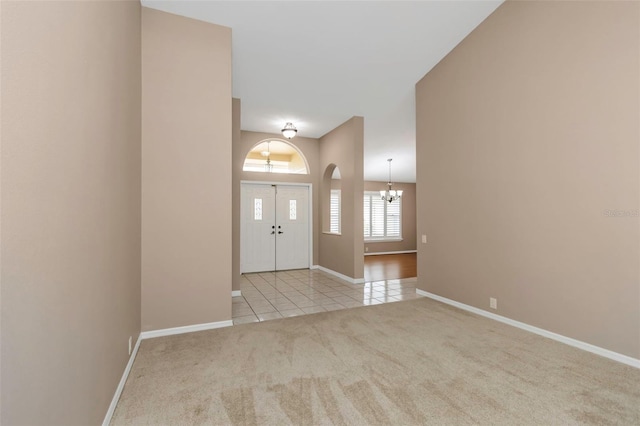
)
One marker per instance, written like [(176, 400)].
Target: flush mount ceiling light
[(289, 130), (389, 194)]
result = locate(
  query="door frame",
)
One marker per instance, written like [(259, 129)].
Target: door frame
[(310, 208)]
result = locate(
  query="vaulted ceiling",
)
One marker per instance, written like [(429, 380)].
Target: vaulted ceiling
[(318, 63)]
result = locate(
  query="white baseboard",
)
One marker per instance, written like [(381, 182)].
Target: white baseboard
[(314, 267), (150, 335), (123, 380), (341, 276), (186, 329), (236, 293), (633, 362), (391, 252)]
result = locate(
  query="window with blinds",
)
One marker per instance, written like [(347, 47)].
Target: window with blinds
[(334, 211), (382, 220)]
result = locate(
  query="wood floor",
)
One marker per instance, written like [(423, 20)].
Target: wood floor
[(389, 266)]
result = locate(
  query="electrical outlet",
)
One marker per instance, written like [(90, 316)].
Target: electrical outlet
[(366, 249), (130, 339), (424, 239), (493, 303)]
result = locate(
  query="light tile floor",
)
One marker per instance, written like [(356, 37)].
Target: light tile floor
[(271, 295)]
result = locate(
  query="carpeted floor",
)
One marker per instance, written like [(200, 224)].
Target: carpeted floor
[(413, 362)]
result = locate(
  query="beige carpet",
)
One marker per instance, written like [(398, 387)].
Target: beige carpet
[(414, 362)]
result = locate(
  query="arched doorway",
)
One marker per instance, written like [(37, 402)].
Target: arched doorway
[(275, 216)]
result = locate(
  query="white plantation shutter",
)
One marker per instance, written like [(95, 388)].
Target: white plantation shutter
[(377, 217), (382, 220), (393, 219), (367, 215), (334, 211)]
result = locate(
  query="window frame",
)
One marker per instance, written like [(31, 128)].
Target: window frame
[(385, 238)]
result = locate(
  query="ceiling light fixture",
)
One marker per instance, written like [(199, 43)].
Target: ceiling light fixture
[(389, 194), (289, 130)]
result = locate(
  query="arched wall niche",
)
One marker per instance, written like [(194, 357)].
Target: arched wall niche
[(331, 200)]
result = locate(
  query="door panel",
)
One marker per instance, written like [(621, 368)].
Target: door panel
[(292, 225), (257, 233)]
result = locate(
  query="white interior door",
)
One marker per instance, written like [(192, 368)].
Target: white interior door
[(292, 226), (275, 225)]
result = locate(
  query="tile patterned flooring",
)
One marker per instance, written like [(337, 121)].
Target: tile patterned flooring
[(272, 295)]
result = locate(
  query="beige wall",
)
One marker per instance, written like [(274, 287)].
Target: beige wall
[(527, 133), (235, 193), (70, 215), (186, 171), (408, 219), (242, 144), (343, 147)]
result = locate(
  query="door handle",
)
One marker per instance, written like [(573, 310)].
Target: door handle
[(280, 232), (273, 227)]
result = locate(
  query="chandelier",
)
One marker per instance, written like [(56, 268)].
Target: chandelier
[(389, 194), (289, 130), (268, 167)]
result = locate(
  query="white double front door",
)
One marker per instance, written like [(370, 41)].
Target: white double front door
[(275, 225)]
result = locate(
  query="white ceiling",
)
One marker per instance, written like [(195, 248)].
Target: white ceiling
[(318, 63)]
